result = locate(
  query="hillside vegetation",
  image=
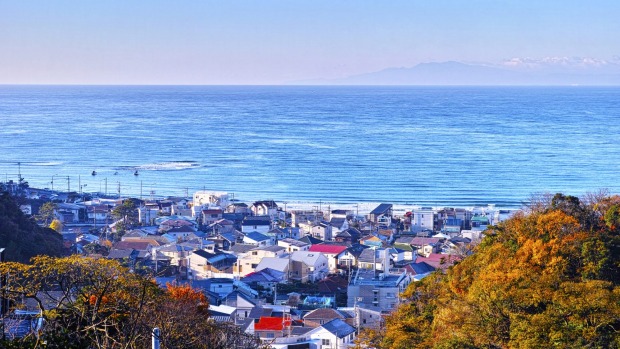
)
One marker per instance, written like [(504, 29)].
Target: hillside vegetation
[(22, 237), (547, 278)]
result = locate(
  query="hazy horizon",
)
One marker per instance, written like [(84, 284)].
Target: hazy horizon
[(280, 42)]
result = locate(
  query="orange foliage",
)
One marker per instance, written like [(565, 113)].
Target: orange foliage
[(185, 293)]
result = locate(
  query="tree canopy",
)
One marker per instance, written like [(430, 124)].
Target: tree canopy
[(546, 279), (97, 303)]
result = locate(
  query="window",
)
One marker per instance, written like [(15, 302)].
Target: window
[(269, 335), (325, 341), (254, 253)]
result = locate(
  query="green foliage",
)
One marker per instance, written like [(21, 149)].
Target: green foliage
[(22, 237), (548, 279), (47, 213)]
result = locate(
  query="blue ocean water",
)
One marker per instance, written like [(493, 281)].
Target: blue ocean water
[(458, 146)]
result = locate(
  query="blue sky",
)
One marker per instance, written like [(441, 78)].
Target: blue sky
[(271, 42)]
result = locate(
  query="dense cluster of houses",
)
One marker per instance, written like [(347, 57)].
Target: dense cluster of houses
[(296, 279)]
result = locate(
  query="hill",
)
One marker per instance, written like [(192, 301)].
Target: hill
[(22, 237), (453, 73), (546, 279)]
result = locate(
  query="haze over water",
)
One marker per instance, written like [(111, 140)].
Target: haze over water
[(458, 146)]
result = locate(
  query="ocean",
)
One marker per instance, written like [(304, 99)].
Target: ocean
[(432, 146)]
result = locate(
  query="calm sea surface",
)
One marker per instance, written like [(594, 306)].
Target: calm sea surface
[(458, 146)]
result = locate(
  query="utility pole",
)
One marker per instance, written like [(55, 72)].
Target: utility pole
[(19, 172), (80, 183), (4, 303), (140, 190), (106, 186), (68, 185)]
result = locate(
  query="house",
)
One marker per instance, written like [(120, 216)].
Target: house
[(221, 226), (182, 233), (418, 270), (310, 240), (335, 334), (332, 252), (277, 234), (238, 207), (260, 224), (267, 328), (305, 216), (423, 218), (340, 214), (320, 230), (381, 215), (258, 239), (265, 208), (352, 254), (265, 278), (374, 259), (247, 262), (439, 261), (99, 214), (71, 213), (292, 245), (321, 316), (202, 264), (425, 246), (372, 241), (211, 215), (449, 218), (175, 252), (338, 224), (350, 236), (308, 266), (241, 301), (479, 223), (377, 291), (282, 265), (210, 198)]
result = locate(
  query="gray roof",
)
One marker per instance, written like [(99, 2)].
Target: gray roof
[(242, 248), (381, 209), (256, 236), (272, 248), (339, 328)]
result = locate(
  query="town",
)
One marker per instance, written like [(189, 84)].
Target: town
[(295, 278)]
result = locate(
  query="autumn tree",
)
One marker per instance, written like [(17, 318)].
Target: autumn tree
[(97, 303), (546, 279), (56, 225)]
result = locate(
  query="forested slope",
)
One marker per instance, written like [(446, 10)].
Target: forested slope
[(547, 278), (22, 237)]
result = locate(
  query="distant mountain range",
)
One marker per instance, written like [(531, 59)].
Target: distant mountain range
[(520, 72)]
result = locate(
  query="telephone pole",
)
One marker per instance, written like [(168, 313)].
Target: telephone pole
[(68, 185)]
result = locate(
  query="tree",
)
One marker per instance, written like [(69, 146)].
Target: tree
[(126, 211), (97, 303), (546, 279), (47, 213), (56, 225), (22, 237)]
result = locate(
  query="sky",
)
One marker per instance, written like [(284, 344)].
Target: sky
[(274, 42)]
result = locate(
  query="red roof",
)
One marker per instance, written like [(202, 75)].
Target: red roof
[(330, 249), (266, 323)]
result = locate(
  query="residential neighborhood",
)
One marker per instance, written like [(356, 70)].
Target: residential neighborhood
[(295, 279)]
